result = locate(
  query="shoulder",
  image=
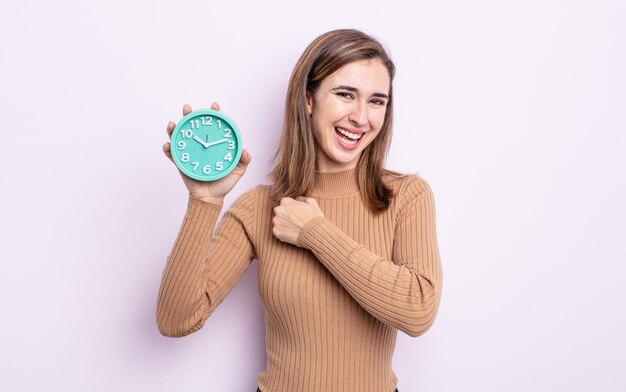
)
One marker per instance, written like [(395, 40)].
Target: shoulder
[(407, 188), (402, 183)]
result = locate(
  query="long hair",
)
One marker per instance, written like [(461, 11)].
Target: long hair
[(295, 163)]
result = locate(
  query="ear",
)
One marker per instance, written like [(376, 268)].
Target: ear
[(309, 103)]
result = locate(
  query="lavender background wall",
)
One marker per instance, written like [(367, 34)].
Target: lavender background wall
[(512, 111)]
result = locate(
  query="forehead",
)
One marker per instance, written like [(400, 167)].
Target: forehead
[(368, 76)]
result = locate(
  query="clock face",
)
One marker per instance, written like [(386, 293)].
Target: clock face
[(206, 145)]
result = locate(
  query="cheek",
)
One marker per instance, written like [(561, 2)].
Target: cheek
[(376, 123), (379, 119), (332, 110), (317, 129), (373, 135), (322, 119)]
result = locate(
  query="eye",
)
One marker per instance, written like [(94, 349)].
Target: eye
[(379, 102), (344, 94)]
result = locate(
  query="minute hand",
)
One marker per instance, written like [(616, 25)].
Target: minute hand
[(214, 143)]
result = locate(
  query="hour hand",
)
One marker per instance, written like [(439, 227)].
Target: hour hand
[(196, 138)]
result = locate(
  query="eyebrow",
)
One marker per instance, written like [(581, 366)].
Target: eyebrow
[(356, 90)]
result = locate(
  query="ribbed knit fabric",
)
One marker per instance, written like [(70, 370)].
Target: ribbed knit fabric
[(334, 303)]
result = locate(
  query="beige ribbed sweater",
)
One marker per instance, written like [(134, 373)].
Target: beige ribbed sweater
[(334, 303)]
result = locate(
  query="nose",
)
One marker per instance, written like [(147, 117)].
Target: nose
[(358, 114)]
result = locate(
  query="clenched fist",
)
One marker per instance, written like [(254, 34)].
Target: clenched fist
[(291, 215)]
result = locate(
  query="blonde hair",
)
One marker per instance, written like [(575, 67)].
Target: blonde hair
[(295, 163)]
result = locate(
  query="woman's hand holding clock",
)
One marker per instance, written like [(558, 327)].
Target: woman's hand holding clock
[(213, 191)]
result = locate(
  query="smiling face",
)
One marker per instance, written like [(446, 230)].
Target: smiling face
[(347, 112)]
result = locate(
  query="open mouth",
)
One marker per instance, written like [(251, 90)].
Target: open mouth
[(348, 137)]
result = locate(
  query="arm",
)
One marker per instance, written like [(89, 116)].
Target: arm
[(403, 292), (201, 270), (203, 267)]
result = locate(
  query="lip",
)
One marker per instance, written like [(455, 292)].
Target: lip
[(344, 145)]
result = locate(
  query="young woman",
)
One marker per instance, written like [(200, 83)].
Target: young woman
[(347, 250)]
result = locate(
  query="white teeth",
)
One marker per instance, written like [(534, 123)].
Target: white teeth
[(347, 141), (351, 135)]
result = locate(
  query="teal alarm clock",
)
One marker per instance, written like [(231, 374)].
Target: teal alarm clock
[(206, 145)]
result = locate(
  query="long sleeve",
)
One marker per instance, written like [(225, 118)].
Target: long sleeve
[(403, 292), (203, 267)]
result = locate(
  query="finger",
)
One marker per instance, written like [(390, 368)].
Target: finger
[(280, 223), (186, 109), (245, 158), (215, 106), (286, 200), (167, 151), (279, 216), (170, 128), (242, 165), (308, 200)]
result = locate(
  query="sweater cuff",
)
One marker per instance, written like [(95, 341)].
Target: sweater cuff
[(200, 218), (320, 234), (198, 202)]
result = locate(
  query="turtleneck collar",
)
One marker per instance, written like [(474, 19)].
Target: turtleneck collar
[(340, 183)]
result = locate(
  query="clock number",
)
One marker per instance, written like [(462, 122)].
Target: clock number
[(184, 157), (231, 145), (219, 165), (195, 124), (187, 134), (206, 169), (228, 157), (219, 123), (207, 120), (227, 133), (181, 145), (195, 165)]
